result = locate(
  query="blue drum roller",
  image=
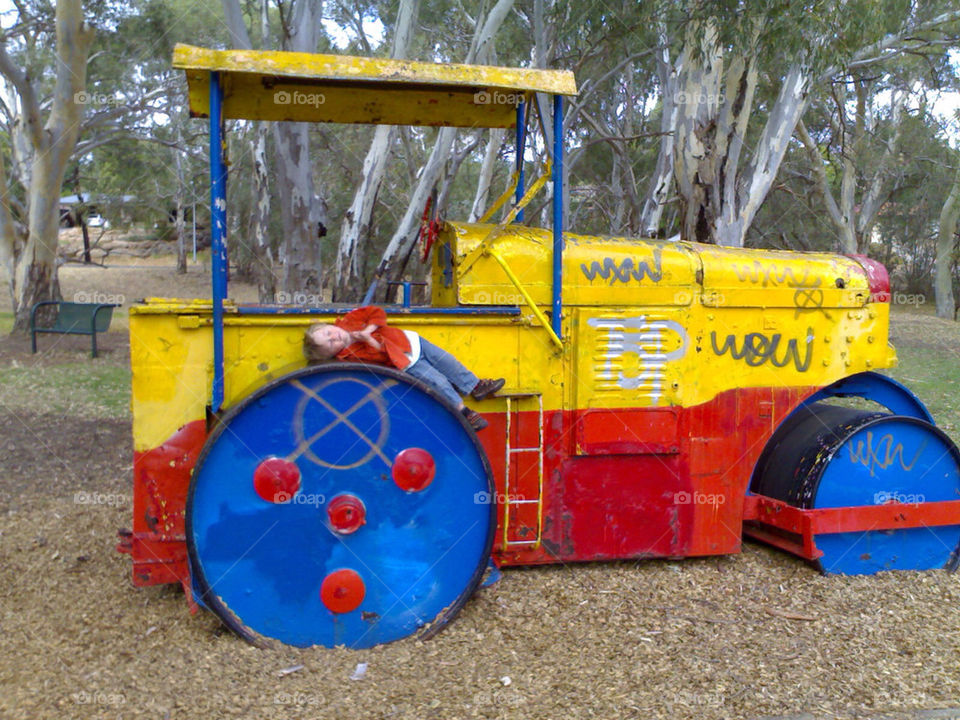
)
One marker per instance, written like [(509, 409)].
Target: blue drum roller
[(339, 505), (826, 456)]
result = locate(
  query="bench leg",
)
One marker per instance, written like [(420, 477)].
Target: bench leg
[(93, 344), (33, 342)]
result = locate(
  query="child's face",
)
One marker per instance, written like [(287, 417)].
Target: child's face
[(330, 339)]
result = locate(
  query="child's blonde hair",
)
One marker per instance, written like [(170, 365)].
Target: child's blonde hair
[(311, 351)]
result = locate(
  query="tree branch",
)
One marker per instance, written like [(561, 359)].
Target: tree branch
[(28, 98), (875, 52)]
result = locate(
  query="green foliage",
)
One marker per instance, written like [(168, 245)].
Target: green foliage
[(610, 46)]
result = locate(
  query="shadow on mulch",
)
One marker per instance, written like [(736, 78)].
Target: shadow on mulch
[(53, 455), (112, 347)]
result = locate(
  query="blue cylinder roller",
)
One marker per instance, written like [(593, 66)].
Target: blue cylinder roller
[(342, 504), (827, 456)]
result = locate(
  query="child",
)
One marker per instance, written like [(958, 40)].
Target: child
[(362, 335)]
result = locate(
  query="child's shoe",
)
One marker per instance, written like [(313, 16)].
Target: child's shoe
[(474, 418), (485, 388)]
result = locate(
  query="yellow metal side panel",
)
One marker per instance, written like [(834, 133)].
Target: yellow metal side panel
[(172, 351), (596, 270), (641, 272), (646, 357), (775, 278), (621, 357), (171, 369)]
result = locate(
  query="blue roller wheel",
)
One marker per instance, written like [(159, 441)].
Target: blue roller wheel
[(825, 456), (339, 505)]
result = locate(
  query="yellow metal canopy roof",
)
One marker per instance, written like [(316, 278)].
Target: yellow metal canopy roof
[(274, 85)]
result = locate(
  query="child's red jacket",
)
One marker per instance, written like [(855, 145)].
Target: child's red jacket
[(395, 343)]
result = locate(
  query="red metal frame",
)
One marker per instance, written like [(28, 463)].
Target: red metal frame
[(807, 524)]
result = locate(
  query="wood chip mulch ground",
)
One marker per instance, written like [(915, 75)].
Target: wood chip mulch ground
[(747, 636)]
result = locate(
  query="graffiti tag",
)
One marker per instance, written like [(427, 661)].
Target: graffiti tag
[(809, 299), (757, 348), (882, 453), (772, 275), (649, 339), (625, 271)]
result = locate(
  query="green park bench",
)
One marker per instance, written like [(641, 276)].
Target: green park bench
[(74, 319)]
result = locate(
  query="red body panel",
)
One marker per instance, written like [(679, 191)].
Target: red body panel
[(675, 489), (655, 482), (161, 478)]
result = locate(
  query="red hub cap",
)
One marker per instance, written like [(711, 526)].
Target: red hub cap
[(413, 470), (276, 480), (346, 513), (342, 591)]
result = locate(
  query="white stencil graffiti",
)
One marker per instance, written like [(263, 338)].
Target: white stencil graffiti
[(648, 338)]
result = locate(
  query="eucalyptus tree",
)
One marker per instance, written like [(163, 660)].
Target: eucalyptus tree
[(743, 74), (56, 44), (485, 25), (357, 220)]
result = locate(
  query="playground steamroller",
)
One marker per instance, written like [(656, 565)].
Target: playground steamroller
[(663, 399)]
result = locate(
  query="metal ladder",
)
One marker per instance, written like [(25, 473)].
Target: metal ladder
[(513, 399)]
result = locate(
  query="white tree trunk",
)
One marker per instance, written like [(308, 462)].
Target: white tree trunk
[(302, 209), (261, 249), (405, 233), (946, 242), (8, 235), (355, 229), (262, 252), (52, 146), (870, 205), (482, 197), (661, 182), (767, 157), (854, 220), (846, 239)]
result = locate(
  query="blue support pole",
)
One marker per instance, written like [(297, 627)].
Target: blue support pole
[(218, 245), (521, 142), (557, 315)]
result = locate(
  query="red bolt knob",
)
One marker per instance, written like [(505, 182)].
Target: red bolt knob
[(413, 469), (342, 591), (276, 480), (347, 513)]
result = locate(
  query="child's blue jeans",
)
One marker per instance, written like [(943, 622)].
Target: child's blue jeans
[(443, 372)]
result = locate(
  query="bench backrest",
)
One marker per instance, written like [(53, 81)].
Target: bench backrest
[(76, 316)]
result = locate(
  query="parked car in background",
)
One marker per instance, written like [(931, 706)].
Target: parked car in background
[(97, 220)]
